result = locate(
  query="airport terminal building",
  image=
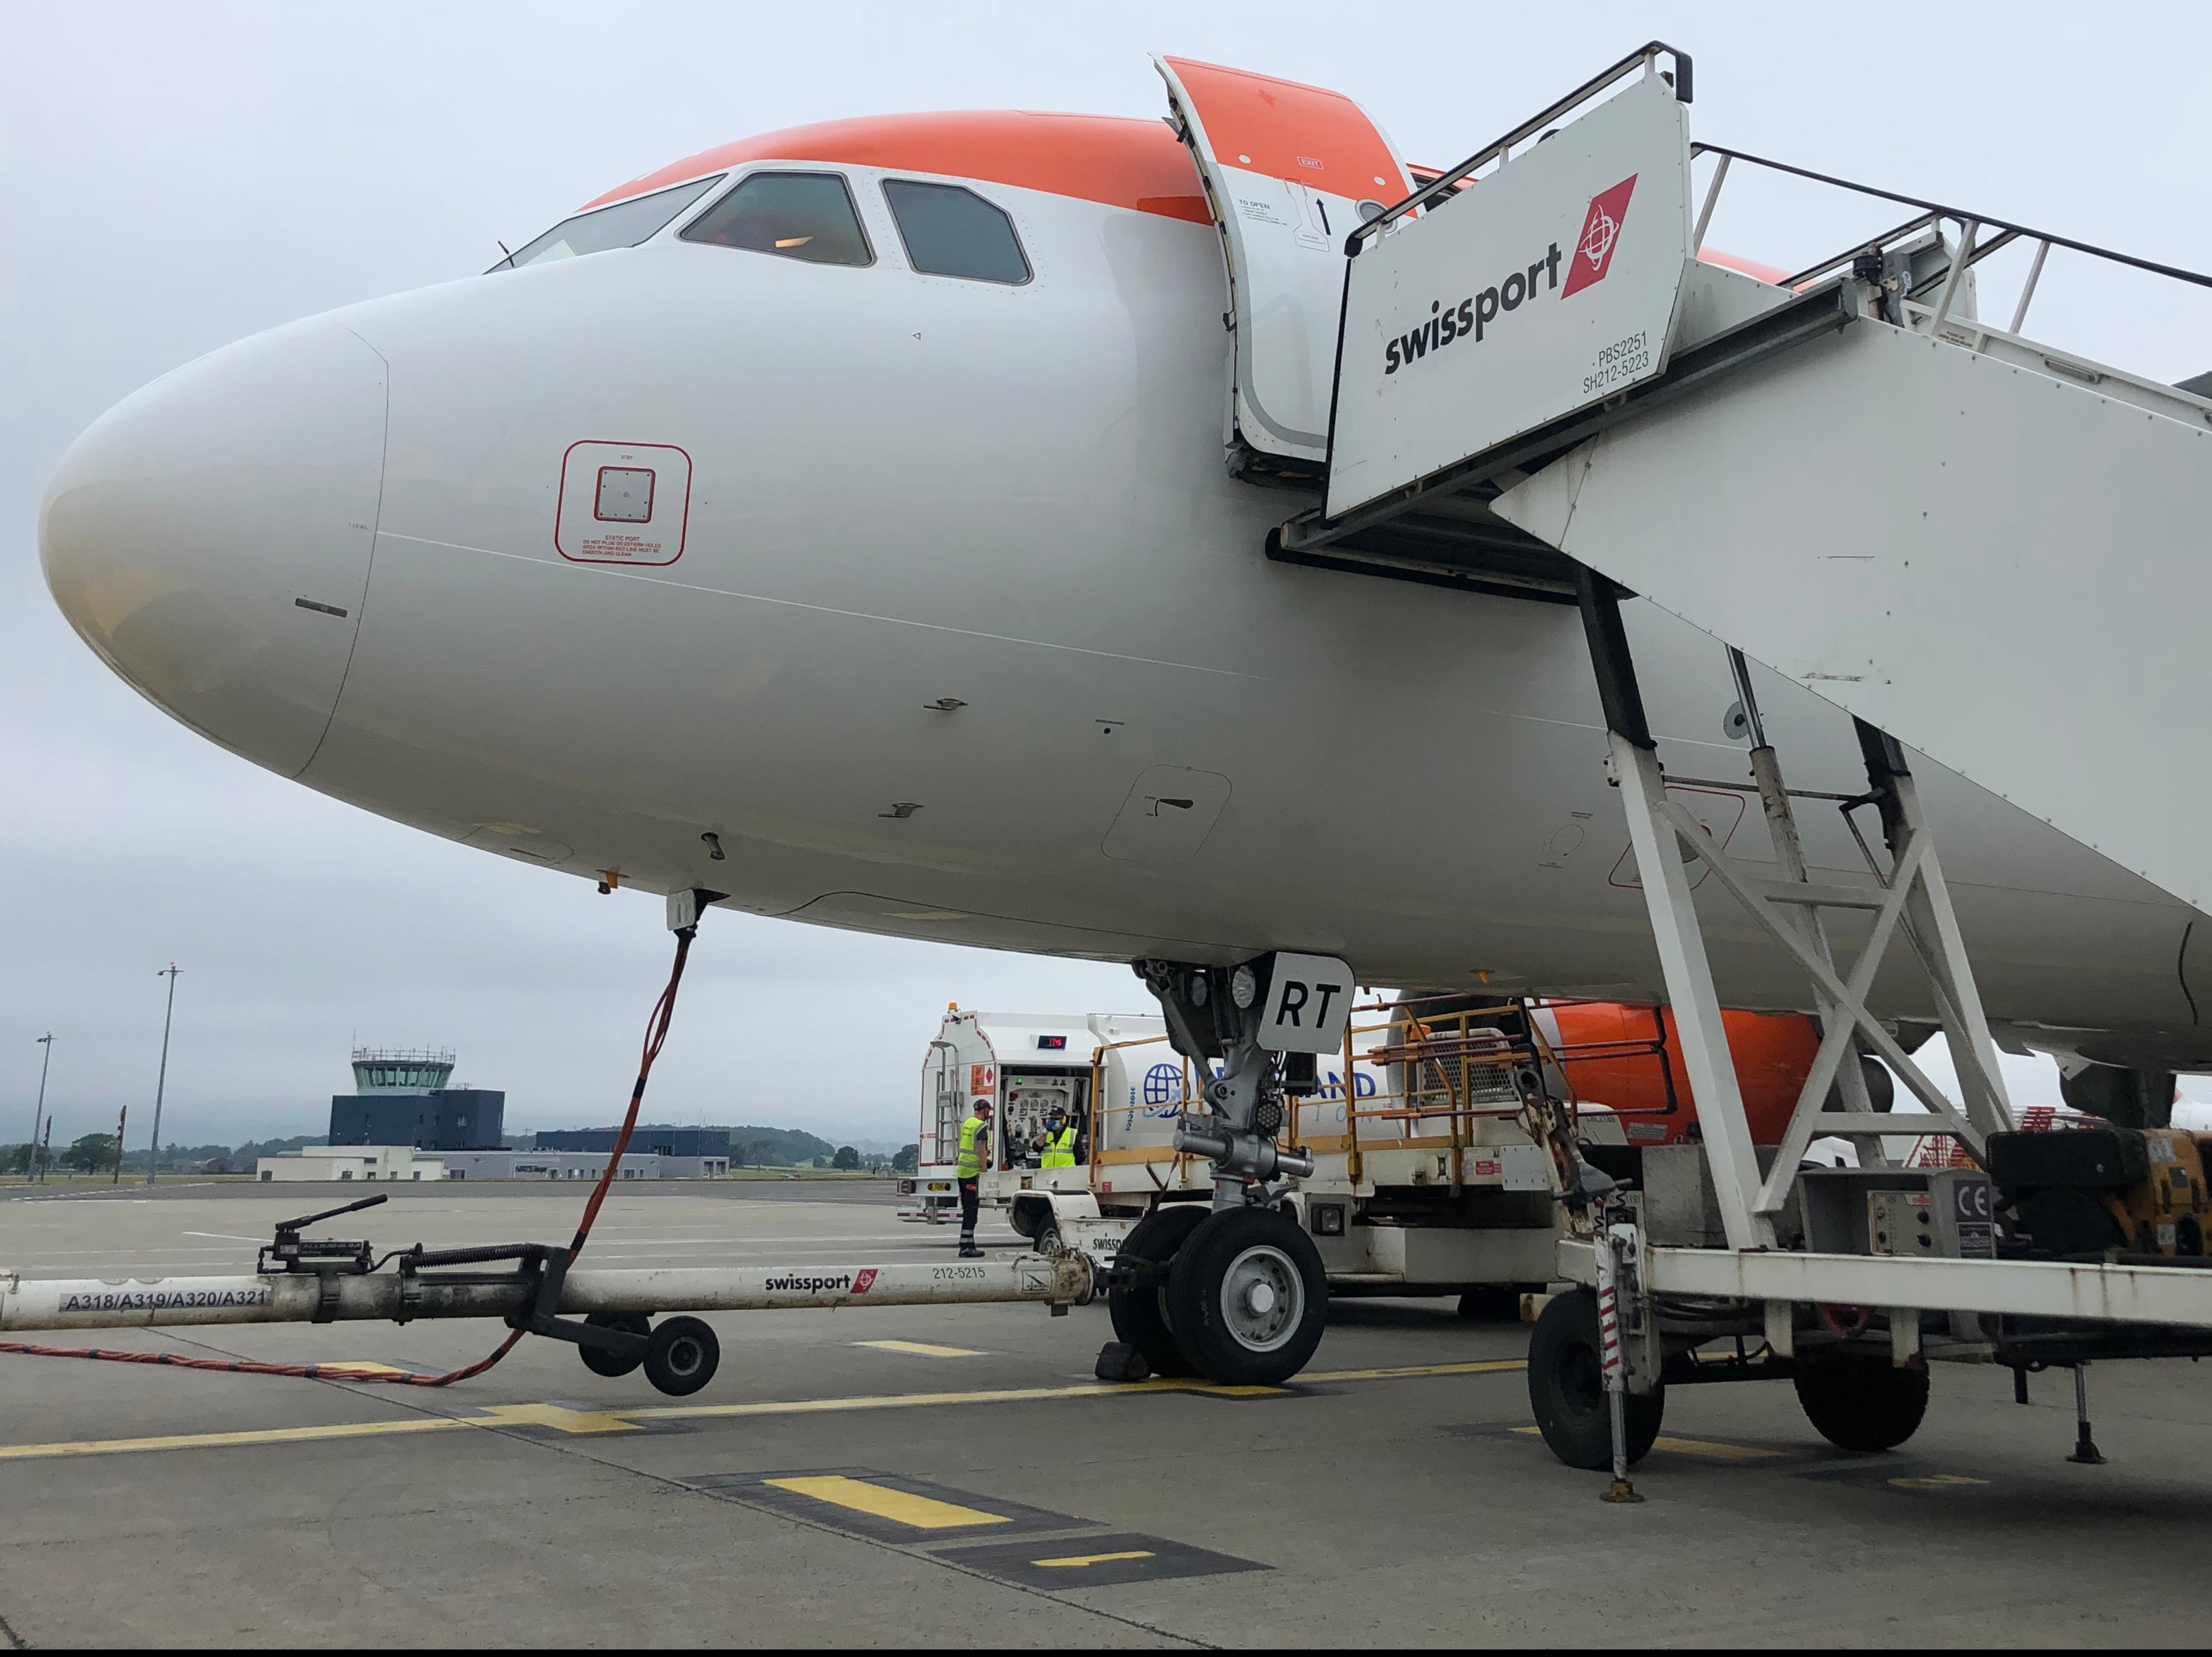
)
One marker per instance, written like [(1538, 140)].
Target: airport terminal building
[(403, 1108)]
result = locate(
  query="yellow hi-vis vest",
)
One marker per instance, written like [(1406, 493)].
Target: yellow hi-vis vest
[(972, 1157), (1059, 1149)]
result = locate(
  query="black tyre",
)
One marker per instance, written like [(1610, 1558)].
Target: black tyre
[(1566, 1389), (1248, 1297), (682, 1358), (1140, 1314), (604, 1360), (1859, 1404)]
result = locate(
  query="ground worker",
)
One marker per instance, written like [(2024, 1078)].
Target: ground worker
[(975, 1155), (1057, 1142)]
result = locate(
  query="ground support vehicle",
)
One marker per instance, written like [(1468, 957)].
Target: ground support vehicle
[(1423, 1180)]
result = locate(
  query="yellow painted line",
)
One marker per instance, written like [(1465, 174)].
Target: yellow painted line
[(916, 1400), (556, 1415), (1077, 1561), (1706, 1447), (923, 1513), (1712, 1451), (213, 1441), (1489, 1367), (920, 1349), (617, 1420), (1936, 1482)]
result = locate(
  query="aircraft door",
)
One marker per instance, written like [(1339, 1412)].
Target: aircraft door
[(1286, 168)]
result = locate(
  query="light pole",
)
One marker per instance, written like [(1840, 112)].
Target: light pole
[(31, 1151), (161, 1083)]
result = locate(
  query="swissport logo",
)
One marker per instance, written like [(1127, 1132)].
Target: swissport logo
[(865, 1280), (1473, 317), (841, 1283), (1601, 234)]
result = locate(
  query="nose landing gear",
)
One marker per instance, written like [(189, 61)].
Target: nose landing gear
[(1237, 1294)]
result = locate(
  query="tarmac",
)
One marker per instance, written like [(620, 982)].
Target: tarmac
[(956, 1476)]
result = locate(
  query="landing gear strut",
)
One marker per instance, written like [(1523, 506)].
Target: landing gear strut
[(1214, 1015)]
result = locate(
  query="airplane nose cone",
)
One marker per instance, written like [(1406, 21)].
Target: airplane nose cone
[(210, 535)]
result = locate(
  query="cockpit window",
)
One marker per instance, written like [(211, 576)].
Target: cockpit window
[(797, 216), (623, 224), (951, 232)]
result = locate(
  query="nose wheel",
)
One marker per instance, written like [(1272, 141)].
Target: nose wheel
[(1139, 1311), (1248, 1297)]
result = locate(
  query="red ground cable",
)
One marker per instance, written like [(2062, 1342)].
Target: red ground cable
[(656, 1033)]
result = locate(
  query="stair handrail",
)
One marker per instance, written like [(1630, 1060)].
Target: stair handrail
[(1446, 184)]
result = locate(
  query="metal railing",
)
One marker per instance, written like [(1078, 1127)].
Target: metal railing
[(1948, 281), (1438, 1070)]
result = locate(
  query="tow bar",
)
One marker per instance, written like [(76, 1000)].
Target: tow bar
[(605, 1314)]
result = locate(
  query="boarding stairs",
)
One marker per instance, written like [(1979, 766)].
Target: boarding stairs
[(1846, 474)]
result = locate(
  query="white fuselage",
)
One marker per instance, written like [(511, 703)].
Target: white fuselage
[(904, 489)]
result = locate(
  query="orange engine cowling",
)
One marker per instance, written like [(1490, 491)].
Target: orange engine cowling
[(1630, 1059)]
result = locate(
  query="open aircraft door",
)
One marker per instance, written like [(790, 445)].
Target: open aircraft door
[(1289, 171)]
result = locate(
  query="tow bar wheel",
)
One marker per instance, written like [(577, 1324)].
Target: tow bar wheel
[(602, 1360), (683, 1355), (1249, 1298), (1566, 1389)]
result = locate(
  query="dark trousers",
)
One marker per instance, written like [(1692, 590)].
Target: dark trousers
[(971, 1199)]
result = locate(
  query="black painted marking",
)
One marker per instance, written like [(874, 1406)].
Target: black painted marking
[(1093, 1562), (322, 609)]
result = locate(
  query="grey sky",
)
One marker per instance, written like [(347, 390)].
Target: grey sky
[(178, 177)]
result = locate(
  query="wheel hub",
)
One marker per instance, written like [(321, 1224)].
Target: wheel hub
[(1262, 1298)]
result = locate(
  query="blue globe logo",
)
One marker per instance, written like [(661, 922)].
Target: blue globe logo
[(1164, 1084)]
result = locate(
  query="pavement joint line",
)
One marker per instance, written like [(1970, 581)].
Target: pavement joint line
[(1410, 1371), (570, 1421)]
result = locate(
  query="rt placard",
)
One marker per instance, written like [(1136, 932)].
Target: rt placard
[(1546, 288), (1309, 999)]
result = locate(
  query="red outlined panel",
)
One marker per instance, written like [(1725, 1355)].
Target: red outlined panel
[(623, 503)]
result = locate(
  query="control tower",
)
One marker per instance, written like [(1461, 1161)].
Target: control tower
[(402, 1069), (402, 1099)]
